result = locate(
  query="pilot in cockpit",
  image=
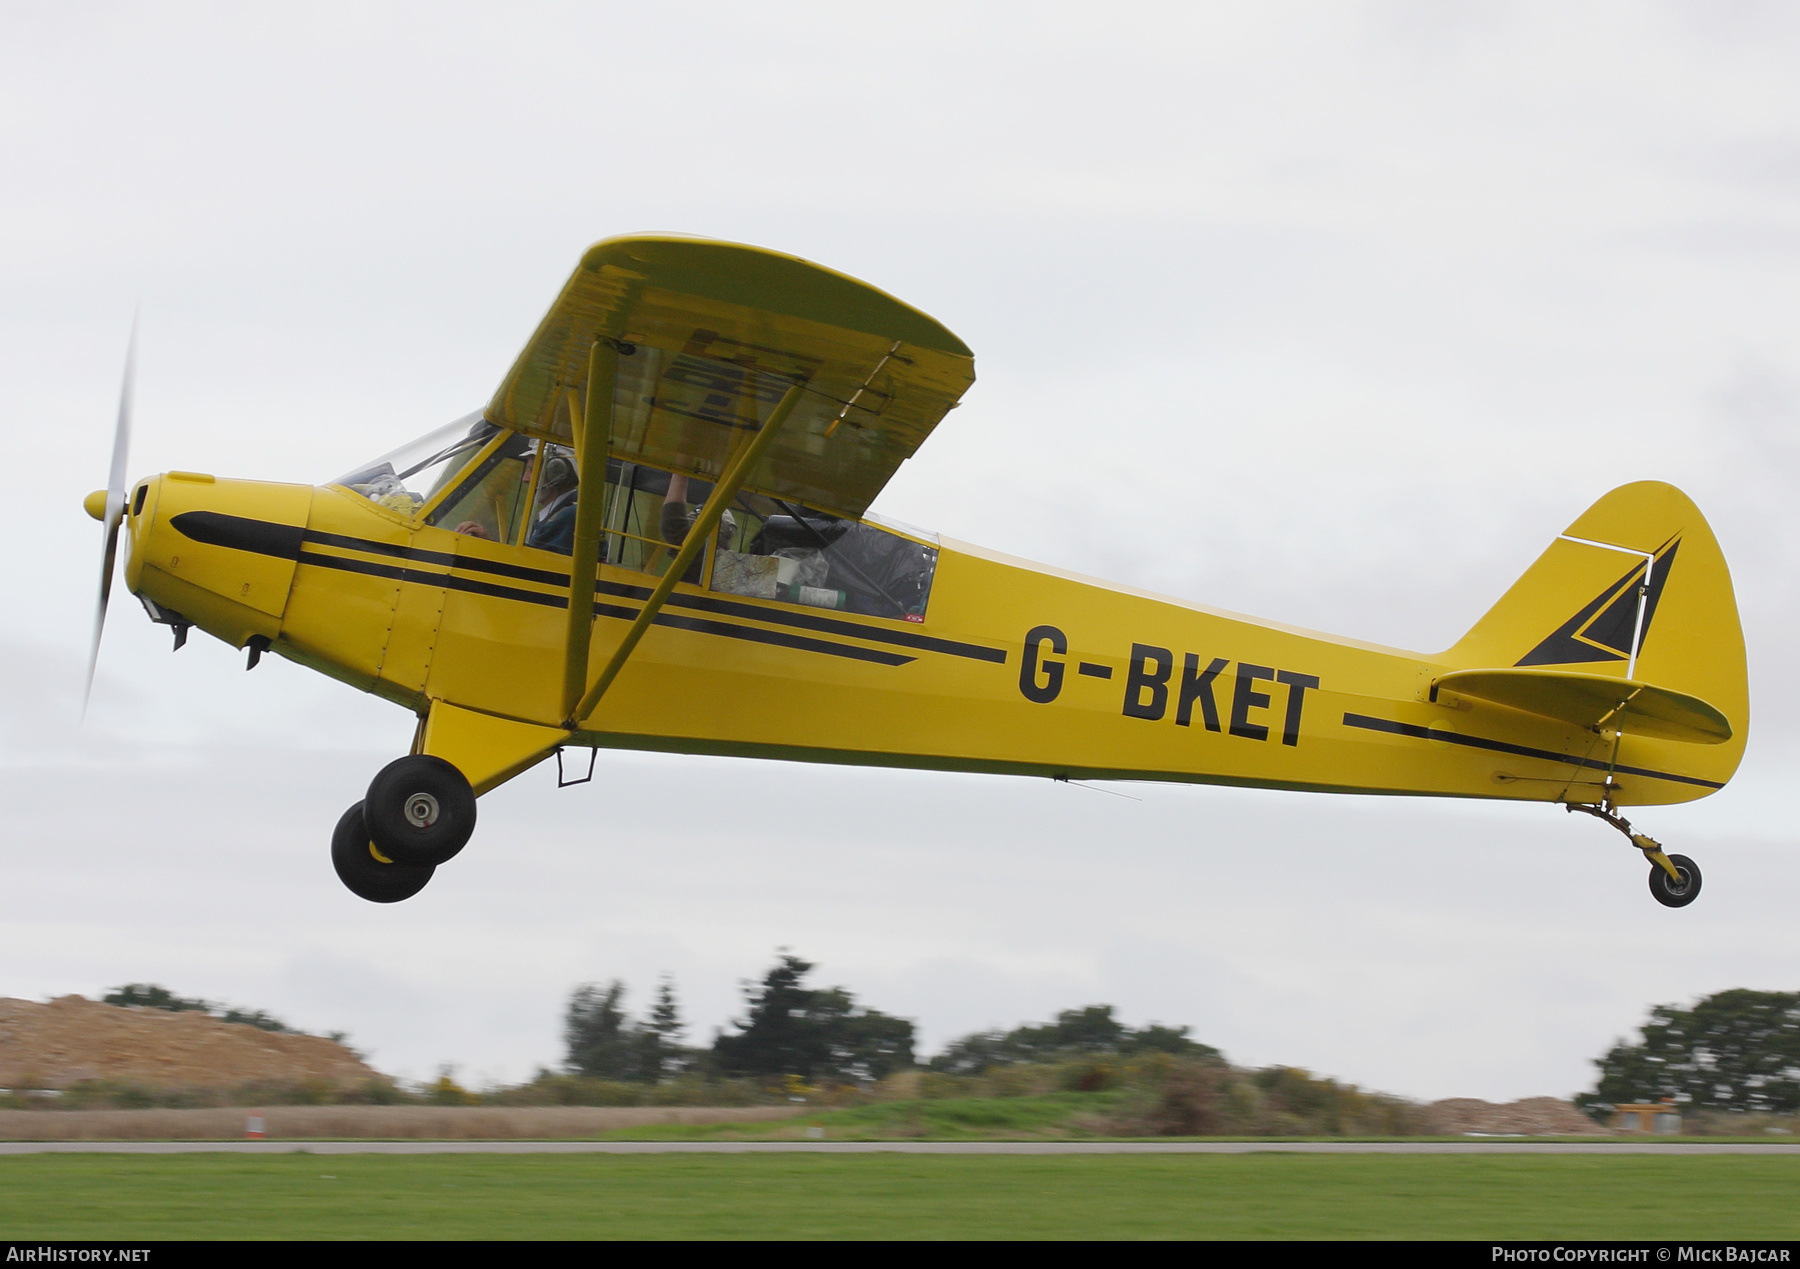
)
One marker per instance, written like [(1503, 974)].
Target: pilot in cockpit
[(553, 524)]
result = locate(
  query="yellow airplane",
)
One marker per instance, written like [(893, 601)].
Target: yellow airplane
[(656, 535)]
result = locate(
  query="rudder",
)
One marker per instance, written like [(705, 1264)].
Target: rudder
[(1577, 609)]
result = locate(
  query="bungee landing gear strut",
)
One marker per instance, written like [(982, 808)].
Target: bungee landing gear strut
[(1674, 879)]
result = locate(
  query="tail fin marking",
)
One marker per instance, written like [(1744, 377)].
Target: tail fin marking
[(1603, 629)]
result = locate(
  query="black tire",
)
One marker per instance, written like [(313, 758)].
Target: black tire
[(420, 810), (353, 855), (1673, 894)]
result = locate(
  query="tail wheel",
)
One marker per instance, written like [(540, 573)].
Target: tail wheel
[(419, 810), (367, 874), (1672, 893)]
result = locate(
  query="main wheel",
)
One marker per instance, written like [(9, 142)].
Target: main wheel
[(364, 872), (420, 810), (1671, 893)]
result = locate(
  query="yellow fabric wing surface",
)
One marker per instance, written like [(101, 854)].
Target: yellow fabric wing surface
[(711, 335)]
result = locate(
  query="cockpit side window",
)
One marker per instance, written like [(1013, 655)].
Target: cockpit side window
[(481, 481), (633, 536), (797, 555), (629, 536)]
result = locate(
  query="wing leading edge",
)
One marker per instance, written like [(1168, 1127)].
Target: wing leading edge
[(710, 336)]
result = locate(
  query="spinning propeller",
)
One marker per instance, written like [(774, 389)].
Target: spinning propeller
[(108, 507)]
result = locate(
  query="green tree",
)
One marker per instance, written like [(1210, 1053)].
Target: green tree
[(597, 1033), (791, 1029), (603, 1042), (1738, 1050), (659, 1039), (151, 996), (265, 1022), (1090, 1031)]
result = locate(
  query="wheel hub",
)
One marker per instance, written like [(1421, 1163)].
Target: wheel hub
[(421, 810)]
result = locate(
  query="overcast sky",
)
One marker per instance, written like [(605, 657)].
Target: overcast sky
[(1332, 313)]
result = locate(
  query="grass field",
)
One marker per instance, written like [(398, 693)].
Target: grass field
[(1052, 1117), (895, 1196)]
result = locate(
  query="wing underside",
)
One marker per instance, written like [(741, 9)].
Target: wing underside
[(710, 337)]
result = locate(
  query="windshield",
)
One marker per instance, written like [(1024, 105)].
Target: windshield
[(405, 479)]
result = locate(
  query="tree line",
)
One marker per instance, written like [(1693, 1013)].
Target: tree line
[(152, 996), (788, 1028), (1737, 1050), (1734, 1051), (821, 1034)]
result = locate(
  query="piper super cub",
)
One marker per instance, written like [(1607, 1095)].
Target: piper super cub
[(656, 535)]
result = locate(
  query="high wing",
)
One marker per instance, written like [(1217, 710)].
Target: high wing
[(710, 337)]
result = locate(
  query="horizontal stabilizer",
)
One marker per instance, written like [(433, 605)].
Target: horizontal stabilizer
[(1593, 700)]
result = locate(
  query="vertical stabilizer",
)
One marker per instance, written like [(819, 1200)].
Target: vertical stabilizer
[(1635, 588)]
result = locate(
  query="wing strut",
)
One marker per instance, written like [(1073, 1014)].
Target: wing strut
[(698, 536), (592, 437)]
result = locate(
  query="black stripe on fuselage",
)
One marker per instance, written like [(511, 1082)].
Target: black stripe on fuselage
[(258, 536), (729, 630), (831, 625), (218, 529), (419, 555), (780, 638), (1524, 751)]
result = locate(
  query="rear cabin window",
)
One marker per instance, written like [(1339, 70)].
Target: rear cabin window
[(766, 548), (800, 556)]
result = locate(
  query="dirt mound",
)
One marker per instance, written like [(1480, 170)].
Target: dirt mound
[(73, 1039), (1533, 1116)]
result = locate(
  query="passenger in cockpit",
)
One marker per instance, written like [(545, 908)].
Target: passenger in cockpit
[(678, 518)]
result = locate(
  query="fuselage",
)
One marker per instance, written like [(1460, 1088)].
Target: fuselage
[(1012, 667)]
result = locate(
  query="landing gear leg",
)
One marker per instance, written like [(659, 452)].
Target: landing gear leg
[(1674, 879)]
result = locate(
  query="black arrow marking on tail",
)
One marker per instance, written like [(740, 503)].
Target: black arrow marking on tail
[(1601, 631)]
